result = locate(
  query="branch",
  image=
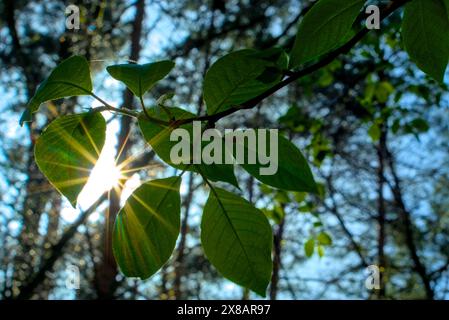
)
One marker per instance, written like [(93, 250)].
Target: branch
[(128, 112), (293, 76), (55, 252), (408, 228)]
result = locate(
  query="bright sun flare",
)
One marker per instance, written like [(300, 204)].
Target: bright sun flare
[(106, 174)]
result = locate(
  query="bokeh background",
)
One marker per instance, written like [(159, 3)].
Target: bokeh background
[(373, 127)]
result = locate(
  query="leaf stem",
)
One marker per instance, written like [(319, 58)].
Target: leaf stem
[(150, 118), (123, 111), (128, 112)]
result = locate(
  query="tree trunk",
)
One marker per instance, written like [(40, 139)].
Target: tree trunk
[(107, 271), (381, 209)]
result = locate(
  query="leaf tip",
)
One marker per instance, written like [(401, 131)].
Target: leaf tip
[(26, 117)]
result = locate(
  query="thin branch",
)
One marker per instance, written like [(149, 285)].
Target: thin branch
[(293, 76), (107, 107), (56, 251)]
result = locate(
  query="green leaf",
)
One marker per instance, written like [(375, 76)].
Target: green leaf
[(425, 32), (309, 247), (68, 149), (374, 132), (420, 125), (396, 126), (158, 137), (323, 28), (70, 78), (147, 227), (383, 91), (320, 250), (140, 78), (293, 171), (237, 240), (317, 224), (324, 239), (241, 76)]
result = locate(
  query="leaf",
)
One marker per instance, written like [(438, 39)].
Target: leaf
[(309, 247), (139, 78), (241, 76), (237, 240), (374, 132), (323, 28), (324, 239), (320, 250), (70, 78), (147, 227), (293, 171), (425, 33), (383, 91), (420, 125), (68, 149), (396, 126), (158, 137)]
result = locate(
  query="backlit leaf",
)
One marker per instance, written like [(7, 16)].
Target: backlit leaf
[(158, 137), (241, 76), (70, 78), (237, 240), (147, 227), (68, 149), (293, 172), (140, 78), (323, 28)]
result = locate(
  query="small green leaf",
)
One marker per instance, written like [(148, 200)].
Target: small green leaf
[(237, 240), (140, 78), (317, 224), (293, 171), (324, 239), (158, 137), (320, 250), (374, 132), (68, 149), (383, 91), (309, 247), (276, 215), (324, 27), (300, 196), (282, 197), (147, 227), (396, 126), (70, 78), (425, 32), (241, 76), (420, 125)]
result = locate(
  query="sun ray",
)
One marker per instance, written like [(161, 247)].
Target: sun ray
[(135, 169), (122, 147)]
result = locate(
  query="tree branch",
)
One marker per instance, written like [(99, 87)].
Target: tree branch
[(293, 76), (56, 251)]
